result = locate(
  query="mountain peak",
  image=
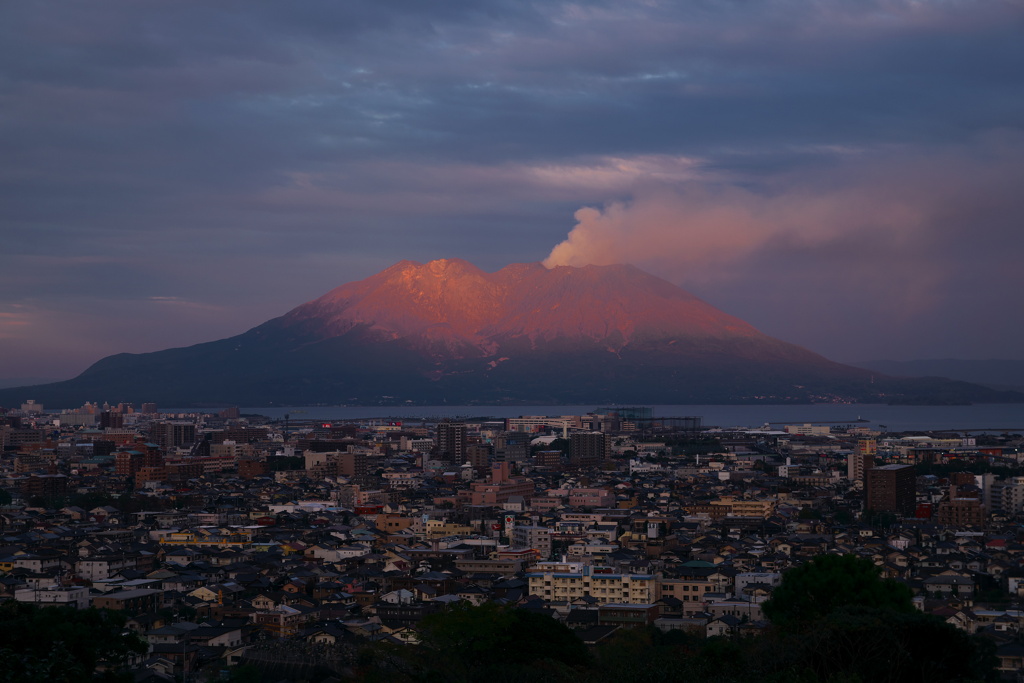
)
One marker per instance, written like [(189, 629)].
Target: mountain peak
[(447, 331), (452, 306)]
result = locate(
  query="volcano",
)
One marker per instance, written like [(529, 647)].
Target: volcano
[(448, 332)]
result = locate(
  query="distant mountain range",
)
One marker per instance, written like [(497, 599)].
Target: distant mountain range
[(995, 374), (448, 332)]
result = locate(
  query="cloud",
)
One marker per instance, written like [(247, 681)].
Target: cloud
[(217, 149), (12, 324), (695, 229), (185, 303), (888, 240)]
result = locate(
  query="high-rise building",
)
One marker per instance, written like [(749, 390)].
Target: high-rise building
[(111, 420), (127, 463), (451, 442), (351, 463), (547, 458), (479, 456), (588, 449), (169, 435), (858, 464), (250, 468), (892, 488), (960, 510), (512, 447)]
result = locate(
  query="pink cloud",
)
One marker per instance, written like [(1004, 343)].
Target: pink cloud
[(890, 232)]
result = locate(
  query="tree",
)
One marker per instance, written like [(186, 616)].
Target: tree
[(807, 512), (843, 516), (244, 673), (494, 634), (837, 619), (817, 588), (63, 644), (877, 644), (490, 643)]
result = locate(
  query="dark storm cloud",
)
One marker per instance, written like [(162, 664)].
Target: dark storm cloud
[(201, 166)]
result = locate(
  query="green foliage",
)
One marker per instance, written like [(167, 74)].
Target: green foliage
[(642, 654), (487, 643), (843, 516), (817, 588), (807, 512), (874, 644), (838, 620), (244, 673), (63, 644), (491, 635), (88, 501)]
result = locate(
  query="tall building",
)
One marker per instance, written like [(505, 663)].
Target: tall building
[(858, 464), (958, 510), (547, 458), (479, 456), (1003, 496), (351, 464), (127, 463), (111, 420), (169, 435), (588, 449), (892, 488), (451, 442), (512, 447)]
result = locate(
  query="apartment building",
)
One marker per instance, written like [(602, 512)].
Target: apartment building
[(634, 589)]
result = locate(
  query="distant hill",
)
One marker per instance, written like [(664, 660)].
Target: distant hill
[(996, 374), (448, 332), (6, 382)]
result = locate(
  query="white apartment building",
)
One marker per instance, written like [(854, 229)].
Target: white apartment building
[(631, 589), (73, 596)]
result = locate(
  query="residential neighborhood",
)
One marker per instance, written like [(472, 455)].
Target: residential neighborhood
[(289, 545)]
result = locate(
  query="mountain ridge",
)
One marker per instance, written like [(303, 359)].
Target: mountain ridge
[(1000, 374), (447, 331)]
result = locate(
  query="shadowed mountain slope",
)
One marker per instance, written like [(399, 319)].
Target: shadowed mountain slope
[(446, 331)]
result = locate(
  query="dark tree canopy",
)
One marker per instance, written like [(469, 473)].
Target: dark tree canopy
[(489, 643), (843, 643), (493, 634), (817, 588), (62, 644)]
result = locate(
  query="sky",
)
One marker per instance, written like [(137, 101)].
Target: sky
[(847, 175)]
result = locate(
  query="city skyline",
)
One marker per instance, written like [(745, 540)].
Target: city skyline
[(843, 178)]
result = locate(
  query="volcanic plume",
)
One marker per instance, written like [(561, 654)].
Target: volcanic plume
[(446, 331)]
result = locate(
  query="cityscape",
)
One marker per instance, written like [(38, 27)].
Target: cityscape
[(485, 341), (288, 549)]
